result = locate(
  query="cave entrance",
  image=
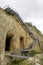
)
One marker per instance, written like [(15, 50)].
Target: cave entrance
[(21, 43), (8, 43)]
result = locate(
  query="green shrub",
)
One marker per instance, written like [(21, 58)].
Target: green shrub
[(33, 52), (41, 60), (42, 49), (29, 64), (15, 62)]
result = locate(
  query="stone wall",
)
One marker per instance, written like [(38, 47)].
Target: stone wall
[(8, 24), (20, 39)]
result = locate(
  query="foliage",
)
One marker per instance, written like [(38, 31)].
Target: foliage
[(42, 49), (41, 60), (33, 52), (29, 64), (16, 62)]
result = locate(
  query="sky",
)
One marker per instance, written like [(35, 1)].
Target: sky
[(29, 10)]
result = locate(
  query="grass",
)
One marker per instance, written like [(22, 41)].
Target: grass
[(41, 60), (29, 64), (15, 62), (42, 49), (33, 52), (18, 62)]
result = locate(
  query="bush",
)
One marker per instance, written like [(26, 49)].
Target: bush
[(33, 52), (41, 60), (42, 49), (15, 62), (29, 64)]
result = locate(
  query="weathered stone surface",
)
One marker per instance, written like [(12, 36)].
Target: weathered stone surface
[(13, 32)]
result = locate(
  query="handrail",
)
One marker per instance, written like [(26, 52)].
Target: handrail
[(17, 56)]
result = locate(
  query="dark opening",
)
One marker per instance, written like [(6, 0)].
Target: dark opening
[(8, 42), (21, 43)]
